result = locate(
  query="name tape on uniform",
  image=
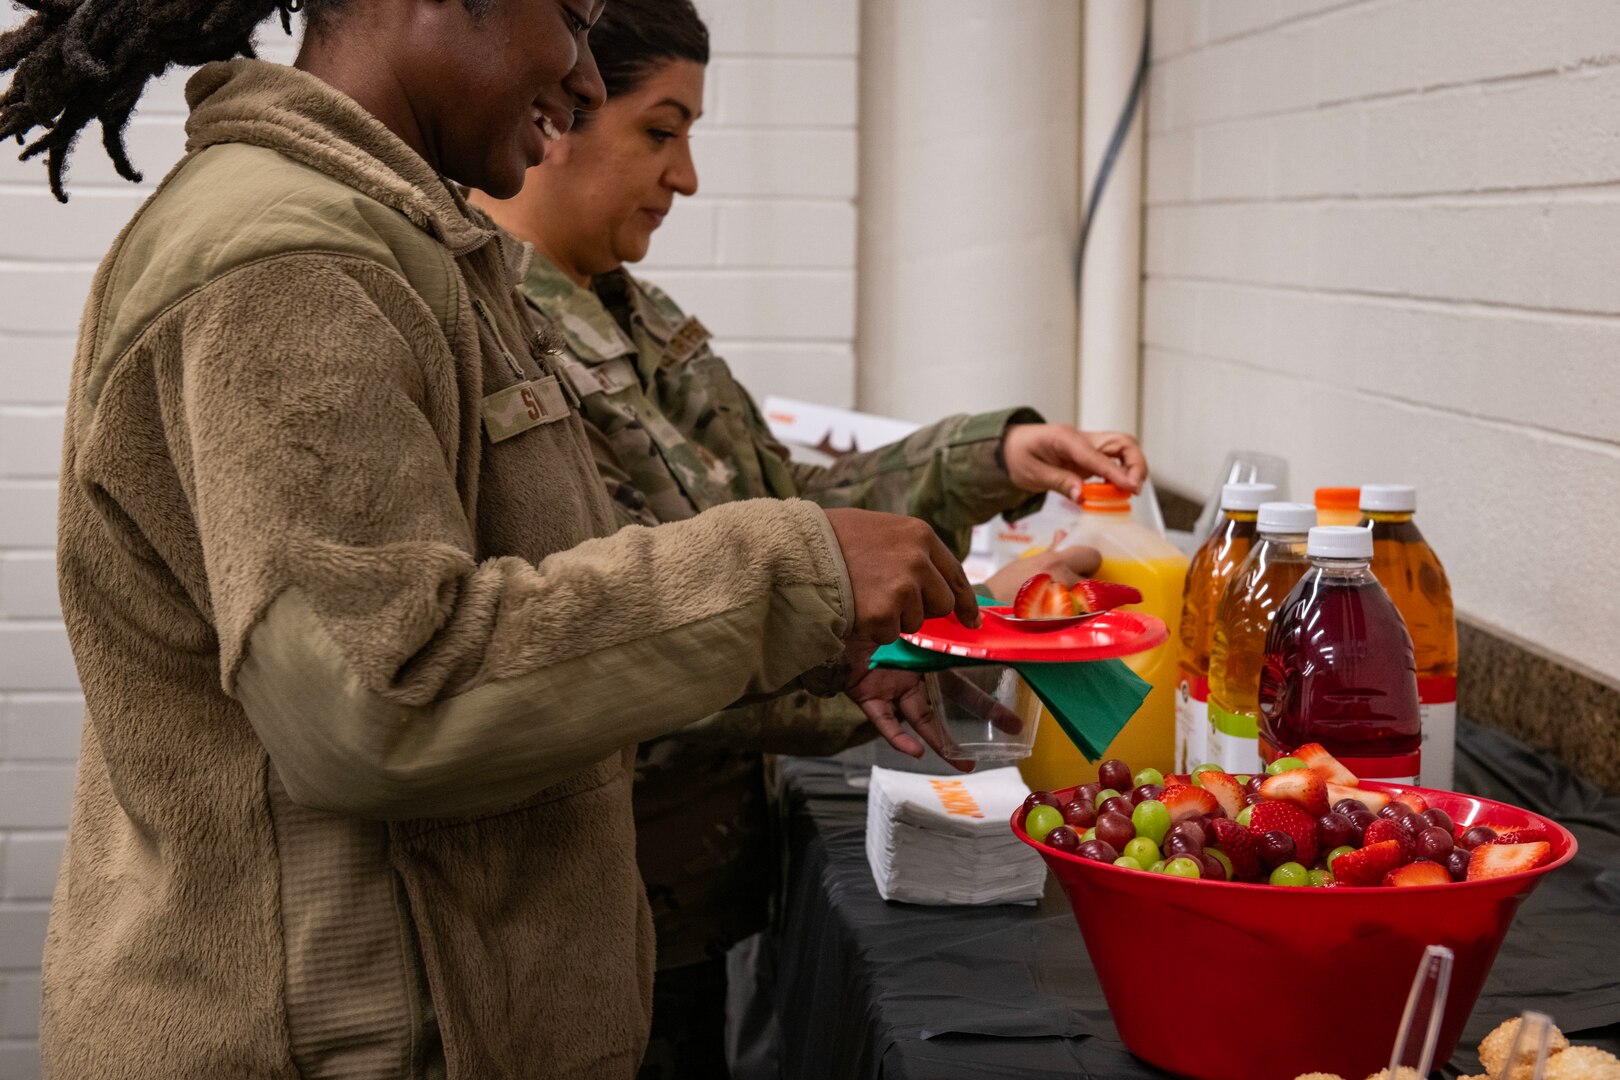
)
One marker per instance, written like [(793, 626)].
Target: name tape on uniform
[(518, 408)]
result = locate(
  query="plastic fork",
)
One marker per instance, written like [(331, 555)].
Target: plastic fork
[(1434, 979), (1535, 1029)]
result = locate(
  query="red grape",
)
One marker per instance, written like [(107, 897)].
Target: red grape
[(1438, 818), (1251, 790), (1116, 805), (1087, 793), (1143, 792), (1115, 774), (1332, 830), (1041, 798), (1182, 844), (1097, 851), (1434, 844), (1457, 863), (1276, 848), (1476, 836), (1081, 815), (1213, 870), (1348, 807), (1115, 830), (1063, 838)]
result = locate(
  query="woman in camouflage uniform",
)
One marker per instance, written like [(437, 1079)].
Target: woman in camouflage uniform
[(675, 434)]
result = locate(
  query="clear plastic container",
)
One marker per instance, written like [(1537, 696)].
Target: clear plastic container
[(1132, 554), (1408, 569), (1212, 565), (1339, 669), (988, 712), (1242, 617)]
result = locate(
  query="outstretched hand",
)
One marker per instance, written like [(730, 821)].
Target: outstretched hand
[(1057, 457), (886, 696), (1066, 565)]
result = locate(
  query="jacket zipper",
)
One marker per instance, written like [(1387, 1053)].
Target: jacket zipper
[(489, 321)]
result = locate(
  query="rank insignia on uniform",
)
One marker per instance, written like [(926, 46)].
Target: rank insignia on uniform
[(687, 339), (516, 409)]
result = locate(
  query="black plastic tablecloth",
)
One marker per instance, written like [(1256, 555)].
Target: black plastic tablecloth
[(867, 988)]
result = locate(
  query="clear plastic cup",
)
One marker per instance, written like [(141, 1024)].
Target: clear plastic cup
[(988, 712)]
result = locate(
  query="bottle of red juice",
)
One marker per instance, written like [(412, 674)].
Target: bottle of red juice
[(1339, 666)]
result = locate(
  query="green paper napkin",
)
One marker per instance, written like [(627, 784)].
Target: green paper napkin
[(1091, 701)]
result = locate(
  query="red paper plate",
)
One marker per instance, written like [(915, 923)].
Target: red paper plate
[(1110, 635)]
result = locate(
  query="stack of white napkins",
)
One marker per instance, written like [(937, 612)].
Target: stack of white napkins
[(945, 839)]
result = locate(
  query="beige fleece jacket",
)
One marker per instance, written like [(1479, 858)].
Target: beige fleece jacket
[(359, 674)]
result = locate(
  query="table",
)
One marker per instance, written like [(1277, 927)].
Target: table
[(863, 988)]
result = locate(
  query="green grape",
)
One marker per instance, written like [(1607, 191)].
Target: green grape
[(1104, 795), (1336, 852), (1143, 850), (1127, 862), (1220, 857), (1207, 766), (1284, 764), (1291, 874), (1181, 866), (1243, 778), (1319, 878), (1157, 867), (1148, 776), (1042, 820), (1089, 834), (1243, 816), (1152, 820)]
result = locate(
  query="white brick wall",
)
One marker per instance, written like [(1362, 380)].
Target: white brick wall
[(765, 254), (1380, 242)]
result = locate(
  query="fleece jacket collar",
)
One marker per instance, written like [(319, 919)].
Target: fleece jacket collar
[(298, 115)]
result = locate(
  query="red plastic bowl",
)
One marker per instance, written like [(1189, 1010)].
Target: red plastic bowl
[(1221, 980)]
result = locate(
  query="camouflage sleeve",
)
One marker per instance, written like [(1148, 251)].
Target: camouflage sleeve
[(950, 474), (629, 504), (798, 723)]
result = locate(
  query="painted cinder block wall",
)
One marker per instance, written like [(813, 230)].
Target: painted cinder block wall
[(1383, 241), (765, 254)]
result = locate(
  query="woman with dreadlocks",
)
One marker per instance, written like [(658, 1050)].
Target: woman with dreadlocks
[(361, 651)]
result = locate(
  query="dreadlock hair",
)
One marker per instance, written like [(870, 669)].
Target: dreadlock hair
[(74, 61), (634, 36)]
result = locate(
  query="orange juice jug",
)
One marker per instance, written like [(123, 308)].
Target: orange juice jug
[(1217, 557), (1338, 506), (1242, 617), (1132, 554), (1408, 569)]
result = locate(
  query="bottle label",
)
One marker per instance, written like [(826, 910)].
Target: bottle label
[(1234, 741), (1437, 705), (1191, 745), (1395, 769)]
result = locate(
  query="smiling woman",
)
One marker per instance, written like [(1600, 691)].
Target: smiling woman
[(342, 584)]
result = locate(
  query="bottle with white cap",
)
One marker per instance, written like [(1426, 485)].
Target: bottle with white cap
[(1408, 569), (1339, 668), (1247, 606), (1213, 564)]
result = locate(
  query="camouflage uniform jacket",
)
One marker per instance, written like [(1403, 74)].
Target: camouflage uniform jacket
[(675, 434)]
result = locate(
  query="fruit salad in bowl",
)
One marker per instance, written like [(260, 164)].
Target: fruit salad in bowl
[(1312, 891)]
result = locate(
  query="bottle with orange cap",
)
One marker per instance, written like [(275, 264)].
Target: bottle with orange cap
[(1409, 570), (1338, 506), (1137, 555)]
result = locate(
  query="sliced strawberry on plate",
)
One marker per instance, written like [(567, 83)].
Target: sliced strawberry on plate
[(1302, 787), (1265, 816), (1177, 778), (1242, 846), (1227, 791), (1412, 799), (1325, 765), (1385, 829), (1042, 598), (1368, 865), (1499, 860), (1372, 800), (1527, 834), (1185, 801), (1091, 595), (1418, 873)]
